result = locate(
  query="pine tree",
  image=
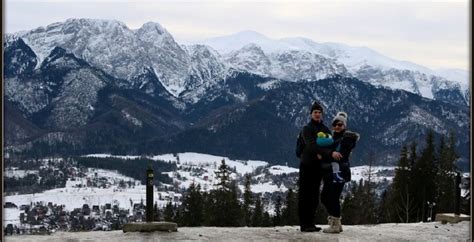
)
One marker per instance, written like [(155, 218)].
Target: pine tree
[(223, 176), (169, 212), (277, 219), (383, 213), (156, 212), (192, 207), (446, 175), (235, 207), (267, 220), (369, 204), (359, 204), (248, 201), (257, 217), (290, 212), (349, 208), (401, 198), (424, 175), (367, 195), (178, 218), (207, 209), (413, 155), (224, 206)]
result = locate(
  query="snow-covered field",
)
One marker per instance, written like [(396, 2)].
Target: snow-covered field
[(200, 168), (18, 173), (376, 173), (198, 159), (279, 170), (433, 231)]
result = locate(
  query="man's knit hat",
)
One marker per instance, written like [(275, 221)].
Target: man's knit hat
[(316, 106), (341, 117)]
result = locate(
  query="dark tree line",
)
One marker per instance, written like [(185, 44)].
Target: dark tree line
[(222, 206), (424, 184)]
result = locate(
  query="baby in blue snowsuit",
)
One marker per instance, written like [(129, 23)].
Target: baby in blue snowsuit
[(326, 140)]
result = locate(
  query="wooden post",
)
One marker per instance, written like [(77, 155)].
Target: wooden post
[(149, 194), (458, 194)]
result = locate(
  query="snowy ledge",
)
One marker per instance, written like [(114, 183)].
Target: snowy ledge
[(381, 232)]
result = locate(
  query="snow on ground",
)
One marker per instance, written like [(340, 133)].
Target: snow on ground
[(206, 166), (77, 192), (165, 157), (197, 159), (279, 170), (362, 172), (109, 174), (269, 187), (126, 157), (433, 231), (241, 166), (76, 197), (12, 216), (18, 173)]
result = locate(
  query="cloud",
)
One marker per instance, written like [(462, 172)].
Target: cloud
[(430, 33)]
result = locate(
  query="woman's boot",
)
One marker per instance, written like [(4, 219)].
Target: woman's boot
[(333, 227)]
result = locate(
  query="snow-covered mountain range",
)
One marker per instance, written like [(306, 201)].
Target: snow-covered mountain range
[(189, 70), (358, 61), (123, 53)]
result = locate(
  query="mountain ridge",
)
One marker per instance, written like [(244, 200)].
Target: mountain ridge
[(261, 114)]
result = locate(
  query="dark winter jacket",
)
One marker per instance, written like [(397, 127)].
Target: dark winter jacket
[(344, 142), (311, 149)]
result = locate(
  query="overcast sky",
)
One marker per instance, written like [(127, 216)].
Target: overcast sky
[(431, 33)]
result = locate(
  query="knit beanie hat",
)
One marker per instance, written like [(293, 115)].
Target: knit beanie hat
[(316, 106), (341, 117)]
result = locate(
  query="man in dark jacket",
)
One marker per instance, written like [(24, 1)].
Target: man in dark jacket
[(310, 174)]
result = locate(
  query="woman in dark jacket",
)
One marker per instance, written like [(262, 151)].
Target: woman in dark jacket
[(344, 142), (310, 174)]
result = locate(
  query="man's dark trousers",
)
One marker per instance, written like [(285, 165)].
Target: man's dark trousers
[(308, 194)]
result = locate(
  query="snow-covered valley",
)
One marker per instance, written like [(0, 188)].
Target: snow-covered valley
[(98, 187)]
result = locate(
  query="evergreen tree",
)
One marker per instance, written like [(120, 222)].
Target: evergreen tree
[(383, 213), (290, 212), (248, 201), (277, 219), (156, 212), (192, 207), (235, 207), (208, 209), (401, 199), (267, 220), (223, 176), (178, 218), (359, 205), (424, 175), (368, 203), (349, 208), (446, 175), (413, 155), (224, 206), (168, 214), (257, 218)]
